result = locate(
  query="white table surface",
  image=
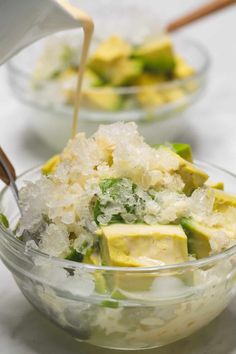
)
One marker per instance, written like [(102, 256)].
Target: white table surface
[(211, 131)]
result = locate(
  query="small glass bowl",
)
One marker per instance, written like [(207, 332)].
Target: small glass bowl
[(150, 307), (159, 122)]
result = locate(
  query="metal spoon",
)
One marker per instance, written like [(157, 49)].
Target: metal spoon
[(8, 175)]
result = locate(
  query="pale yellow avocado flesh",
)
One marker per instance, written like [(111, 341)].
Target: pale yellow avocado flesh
[(192, 176), (108, 54), (223, 200), (201, 238), (182, 68), (51, 165), (215, 185), (130, 245), (104, 98), (124, 72), (112, 49)]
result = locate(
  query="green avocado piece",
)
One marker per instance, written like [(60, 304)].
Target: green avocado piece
[(157, 55), (114, 304), (124, 71), (223, 200), (4, 220), (74, 256), (215, 185), (111, 49), (183, 150), (104, 98), (134, 244), (107, 55), (199, 237), (191, 175), (100, 283)]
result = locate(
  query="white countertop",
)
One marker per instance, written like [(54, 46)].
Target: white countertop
[(211, 131)]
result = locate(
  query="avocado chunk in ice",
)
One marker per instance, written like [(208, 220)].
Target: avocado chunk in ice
[(200, 238), (50, 165), (104, 98), (215, 185), (157, 55), (134, 244), (223, 200), (192, 176), (183, 150)]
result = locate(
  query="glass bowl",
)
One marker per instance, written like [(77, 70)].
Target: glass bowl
[(159, 122), (138, 308)]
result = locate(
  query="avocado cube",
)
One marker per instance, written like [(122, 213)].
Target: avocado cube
[(51, 165), (182, 68), (223, 200), (149, 98), (215, 185), (157, 55), (191, 175), (124, 72), (130, 245), (104, 98), (183, 150), (108, 54), (111, 49), (199, 237)]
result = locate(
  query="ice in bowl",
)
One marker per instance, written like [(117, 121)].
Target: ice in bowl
[(133, 246)]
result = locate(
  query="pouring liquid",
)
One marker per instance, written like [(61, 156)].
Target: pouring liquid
[(88, 27)]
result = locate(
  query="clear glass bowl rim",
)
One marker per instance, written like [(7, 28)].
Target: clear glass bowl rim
[(20, 246), (160, 86)]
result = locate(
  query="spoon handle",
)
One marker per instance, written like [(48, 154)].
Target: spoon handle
[(7, 171), (8, 174), (203, 11)]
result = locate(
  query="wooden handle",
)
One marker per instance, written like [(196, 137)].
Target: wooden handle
[(7, 170), (203, 11)]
